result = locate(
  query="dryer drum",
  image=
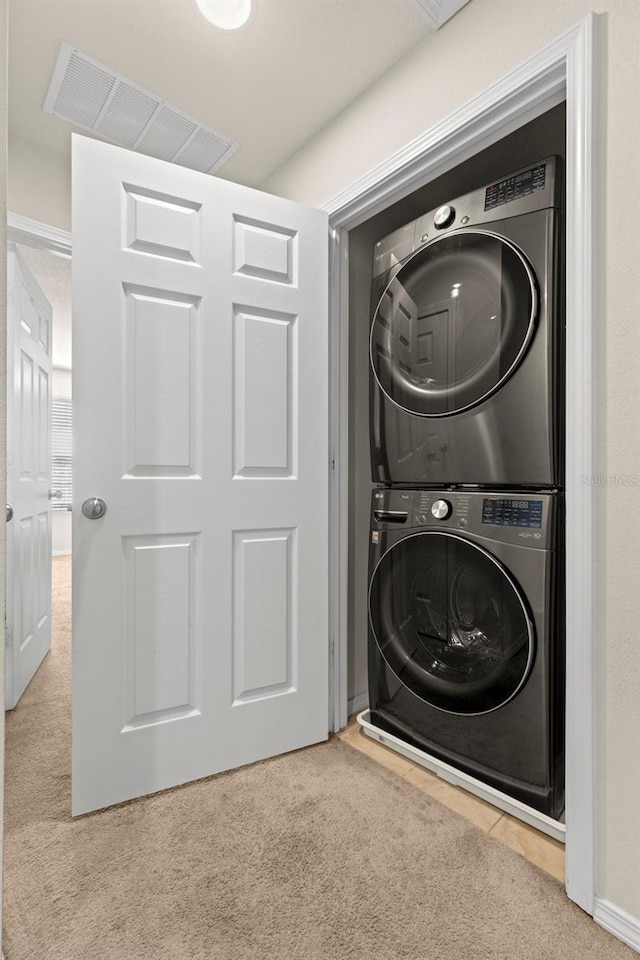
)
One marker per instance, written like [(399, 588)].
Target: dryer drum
[(453, 323), (451, 623)]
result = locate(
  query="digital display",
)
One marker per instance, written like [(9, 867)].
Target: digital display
[(512, 513), (522, 185)]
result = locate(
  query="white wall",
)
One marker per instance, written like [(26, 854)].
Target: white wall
[(478, 46), (39, 184), (3, 384), (61, 520), (61, 533)]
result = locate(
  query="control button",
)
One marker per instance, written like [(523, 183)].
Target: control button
[(441, 509), (462, 522), (422, 518), (443, 216), (424, 238), (464, 220)]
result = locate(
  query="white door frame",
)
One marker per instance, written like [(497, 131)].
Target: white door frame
[(564, 69)]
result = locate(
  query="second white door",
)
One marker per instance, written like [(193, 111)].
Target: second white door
[(28, 614)]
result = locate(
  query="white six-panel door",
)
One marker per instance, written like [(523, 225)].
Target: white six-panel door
[(200, 620), (28, 617)]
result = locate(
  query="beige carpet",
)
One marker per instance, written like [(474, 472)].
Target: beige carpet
[(318, 854)]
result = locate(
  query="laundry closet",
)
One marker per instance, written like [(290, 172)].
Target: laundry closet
[(537, 511)]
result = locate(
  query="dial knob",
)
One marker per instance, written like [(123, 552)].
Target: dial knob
[(443, 216), (441, 509)]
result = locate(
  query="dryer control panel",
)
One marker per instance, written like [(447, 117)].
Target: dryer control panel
[(522, 184), (533, 188)]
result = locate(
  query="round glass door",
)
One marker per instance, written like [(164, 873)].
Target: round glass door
[(454, 323), (451, 623)]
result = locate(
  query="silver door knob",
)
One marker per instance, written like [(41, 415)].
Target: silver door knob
[(9, 510), (94, 508), (55, 494)]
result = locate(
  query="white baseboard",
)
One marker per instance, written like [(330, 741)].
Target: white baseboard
[(618, 922), (358, 703), (61, 553)]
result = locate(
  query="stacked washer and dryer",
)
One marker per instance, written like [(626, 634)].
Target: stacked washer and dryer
[(466, 612)]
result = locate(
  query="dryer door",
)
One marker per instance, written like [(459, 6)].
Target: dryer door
[(454, 323), (451, 623)]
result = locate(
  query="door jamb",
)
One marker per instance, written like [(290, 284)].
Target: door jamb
[(564, 69)]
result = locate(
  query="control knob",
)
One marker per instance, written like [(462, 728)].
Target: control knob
[(441, 509), (443, 216)]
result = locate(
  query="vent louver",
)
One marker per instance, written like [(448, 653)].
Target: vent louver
[(439, 11), (89, 95)]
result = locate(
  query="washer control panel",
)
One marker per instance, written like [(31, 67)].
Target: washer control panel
[(443, 216), (512, 512), (524, 518), (441, 509), (431, 507)]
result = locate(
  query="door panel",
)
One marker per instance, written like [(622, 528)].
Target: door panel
[(162, 669), (28, 478), (200, 598), (265, 565), (162, 375), (265, 365)]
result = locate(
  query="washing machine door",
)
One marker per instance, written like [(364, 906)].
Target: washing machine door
[(451, 623), (453, 324)]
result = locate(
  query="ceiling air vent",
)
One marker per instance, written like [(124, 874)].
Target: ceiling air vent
[(439, 11), (89, 95)]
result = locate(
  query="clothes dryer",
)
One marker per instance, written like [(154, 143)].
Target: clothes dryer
[(466, 339), (466, 645)]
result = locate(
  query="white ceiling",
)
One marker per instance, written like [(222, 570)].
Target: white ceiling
[(270, 86)]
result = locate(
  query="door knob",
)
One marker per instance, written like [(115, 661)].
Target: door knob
[(94, 508), (55, 494), (9, 510)]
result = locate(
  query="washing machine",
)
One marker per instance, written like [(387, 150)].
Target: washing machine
[(466, 648), (467, 337)]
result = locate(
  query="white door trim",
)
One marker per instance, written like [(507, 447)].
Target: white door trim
[(563, 69), (33, 233)]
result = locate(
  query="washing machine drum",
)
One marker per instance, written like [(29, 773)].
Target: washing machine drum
[(451, 623), (453, 324)]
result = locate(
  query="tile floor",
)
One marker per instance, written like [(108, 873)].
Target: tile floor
[(525, 840)]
